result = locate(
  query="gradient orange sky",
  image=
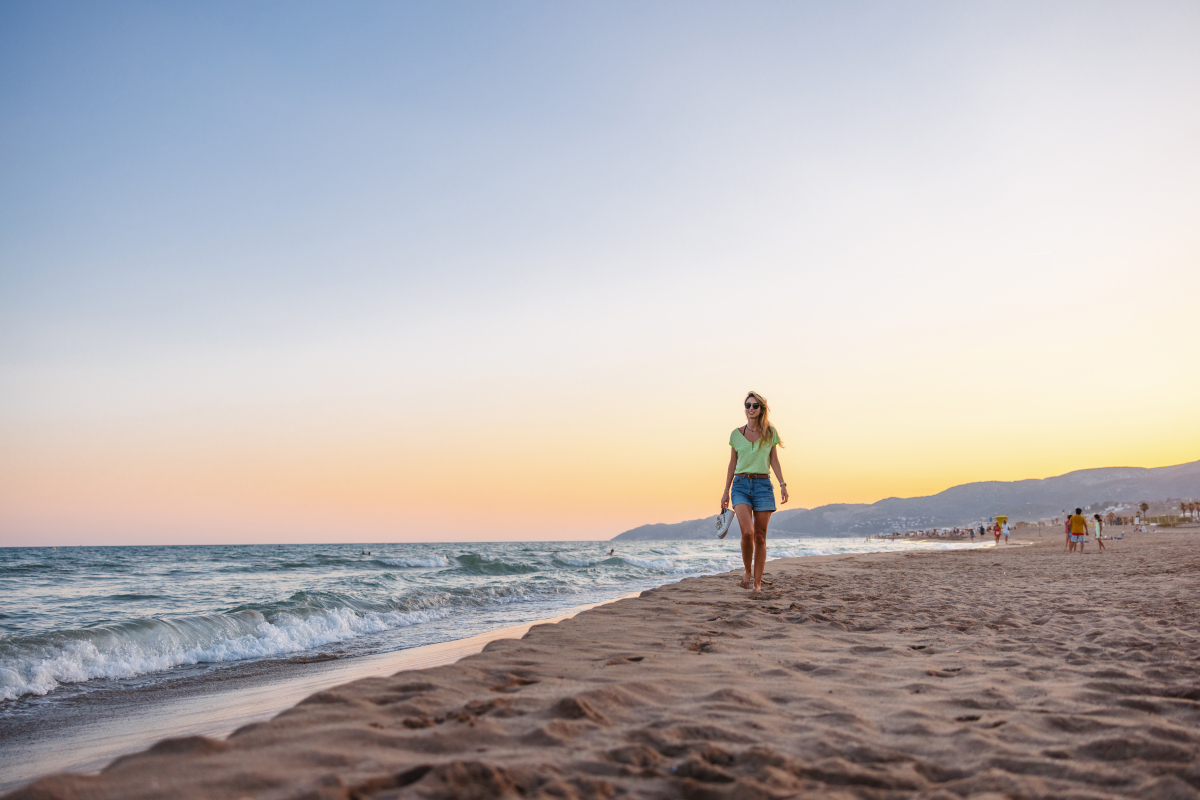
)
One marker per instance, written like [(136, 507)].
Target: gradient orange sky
[(401, 274)]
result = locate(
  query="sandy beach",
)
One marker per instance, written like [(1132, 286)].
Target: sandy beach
[(998, 672)]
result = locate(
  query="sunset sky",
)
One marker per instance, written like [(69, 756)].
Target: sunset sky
[(285, 272)]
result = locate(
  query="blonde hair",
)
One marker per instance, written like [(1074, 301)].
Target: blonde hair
[(764, 420)]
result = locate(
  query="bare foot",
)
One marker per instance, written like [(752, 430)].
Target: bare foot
[(746, 580)]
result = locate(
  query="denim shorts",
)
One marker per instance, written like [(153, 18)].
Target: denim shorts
[(754, 492)]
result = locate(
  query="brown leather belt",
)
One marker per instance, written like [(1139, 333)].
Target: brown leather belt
[(762, 476)]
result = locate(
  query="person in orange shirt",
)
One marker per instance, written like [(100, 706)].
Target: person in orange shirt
[(1078, 530)]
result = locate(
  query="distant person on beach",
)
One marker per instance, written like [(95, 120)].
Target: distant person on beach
[(752, 450), (972, 535), (1070, 546), (1006, 533), (1078, 527), (1100, 532)]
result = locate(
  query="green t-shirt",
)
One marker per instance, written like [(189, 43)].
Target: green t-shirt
[(750, 456)]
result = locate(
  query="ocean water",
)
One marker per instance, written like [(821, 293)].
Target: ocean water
[(78, 619)]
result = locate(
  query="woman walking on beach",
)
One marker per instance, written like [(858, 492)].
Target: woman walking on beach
[(752, 451)]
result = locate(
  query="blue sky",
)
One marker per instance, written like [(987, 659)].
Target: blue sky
[(282, 226)]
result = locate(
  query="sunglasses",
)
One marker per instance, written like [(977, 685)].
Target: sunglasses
[(755, 406)]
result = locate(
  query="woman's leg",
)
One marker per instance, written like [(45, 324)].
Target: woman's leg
[(761, 520), (745, 518)]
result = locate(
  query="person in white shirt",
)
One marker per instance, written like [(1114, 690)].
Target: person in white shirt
[(1006, 533)]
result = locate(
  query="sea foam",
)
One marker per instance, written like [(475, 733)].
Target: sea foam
[(578, 562), (416, 562), (37, 665)]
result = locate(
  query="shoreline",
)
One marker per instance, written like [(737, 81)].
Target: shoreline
[(106, 725), (1016, 671), (94, 728)]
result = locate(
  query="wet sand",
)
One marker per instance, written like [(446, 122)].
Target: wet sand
[(998, 672)]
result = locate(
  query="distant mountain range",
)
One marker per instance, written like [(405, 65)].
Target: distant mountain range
[(963, 505)]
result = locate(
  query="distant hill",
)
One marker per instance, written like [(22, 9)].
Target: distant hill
[(962, 505)]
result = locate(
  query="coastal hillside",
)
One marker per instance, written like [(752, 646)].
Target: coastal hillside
[(962, 505), (688, 529)]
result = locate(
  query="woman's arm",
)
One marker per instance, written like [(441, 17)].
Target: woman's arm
[(778, 473), (729, 478)]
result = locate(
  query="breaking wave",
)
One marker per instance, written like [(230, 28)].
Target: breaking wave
[(416, 562), (39, 664), (578, 562)]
